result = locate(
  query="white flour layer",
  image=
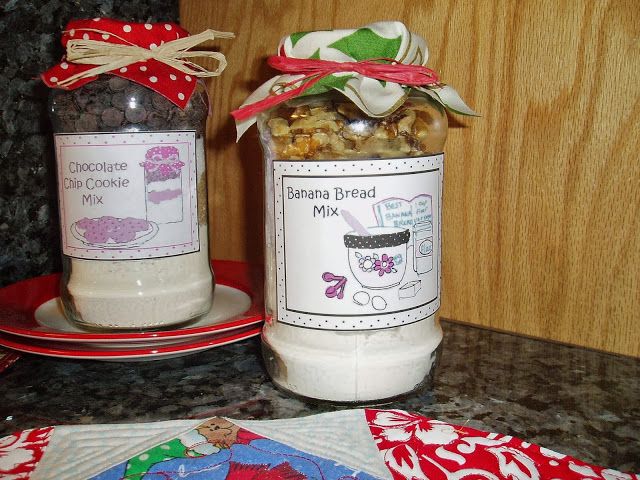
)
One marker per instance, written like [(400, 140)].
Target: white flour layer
[(142, 293), (353, 366)]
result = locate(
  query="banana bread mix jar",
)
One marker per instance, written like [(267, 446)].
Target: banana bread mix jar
[(129, 119), (353, 134)]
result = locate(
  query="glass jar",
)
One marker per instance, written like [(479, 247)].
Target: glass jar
[(133, 205), (353, 207)]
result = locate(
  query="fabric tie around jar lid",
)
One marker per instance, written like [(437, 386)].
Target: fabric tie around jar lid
[(155, 55), (382, 41)]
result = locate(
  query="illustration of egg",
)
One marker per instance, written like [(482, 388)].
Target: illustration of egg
[(361, 298), (378, 303)]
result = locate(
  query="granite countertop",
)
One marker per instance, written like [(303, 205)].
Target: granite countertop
[(575, 401)]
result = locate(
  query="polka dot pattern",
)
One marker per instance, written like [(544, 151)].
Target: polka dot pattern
[(157, 76), (377, 241), (386, 306)]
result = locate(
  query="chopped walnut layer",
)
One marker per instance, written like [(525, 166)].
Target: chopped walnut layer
[(335, 129)]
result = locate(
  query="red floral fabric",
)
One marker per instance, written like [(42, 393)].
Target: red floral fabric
[(159, 77), (21, 452), (415, 447)]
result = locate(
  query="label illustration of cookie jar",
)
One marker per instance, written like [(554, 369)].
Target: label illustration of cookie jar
[(353, 131), (163, 181), (129, 119)]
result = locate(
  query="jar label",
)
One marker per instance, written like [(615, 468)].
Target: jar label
[(128, 195), (331, 276)]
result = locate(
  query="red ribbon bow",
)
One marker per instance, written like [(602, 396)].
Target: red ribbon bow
[(313, 70)]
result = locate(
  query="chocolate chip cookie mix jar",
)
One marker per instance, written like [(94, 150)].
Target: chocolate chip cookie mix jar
[(353, 133), (129, 112)]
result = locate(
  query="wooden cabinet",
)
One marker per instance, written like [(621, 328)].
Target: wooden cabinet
[(542, 194)]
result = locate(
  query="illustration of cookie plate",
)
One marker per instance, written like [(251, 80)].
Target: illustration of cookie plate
[(113, 232)]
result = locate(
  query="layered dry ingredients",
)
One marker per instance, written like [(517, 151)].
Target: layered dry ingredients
[(129, 116)]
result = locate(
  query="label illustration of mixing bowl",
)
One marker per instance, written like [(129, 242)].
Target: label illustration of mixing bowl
[(357, 241), (377, 260)]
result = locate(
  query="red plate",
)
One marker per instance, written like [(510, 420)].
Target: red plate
[(78, 351), (23, 303)]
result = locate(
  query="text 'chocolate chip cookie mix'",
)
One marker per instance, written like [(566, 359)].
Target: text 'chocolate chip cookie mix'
[(129, 111), (353, 132)]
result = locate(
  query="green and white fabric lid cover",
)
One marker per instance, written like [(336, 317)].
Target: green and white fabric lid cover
[(381, 40)]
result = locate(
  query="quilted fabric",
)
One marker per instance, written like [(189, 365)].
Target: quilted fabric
[(353, 444)]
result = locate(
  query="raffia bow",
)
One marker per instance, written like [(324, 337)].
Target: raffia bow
[(175, 53), (312, 70)]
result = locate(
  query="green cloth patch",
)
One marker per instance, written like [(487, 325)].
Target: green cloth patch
[(138, 466), (364, 44), (295, 37)]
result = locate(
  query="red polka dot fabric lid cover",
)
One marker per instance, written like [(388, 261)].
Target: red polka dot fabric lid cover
[(159, 77)]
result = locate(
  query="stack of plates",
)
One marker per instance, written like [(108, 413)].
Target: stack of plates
[(31, 320)]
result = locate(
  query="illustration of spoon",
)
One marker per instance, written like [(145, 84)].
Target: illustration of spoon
[(336, 290), (354, 223)]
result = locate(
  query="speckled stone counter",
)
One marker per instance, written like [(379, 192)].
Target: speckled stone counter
[(575, 401), (29, 44)]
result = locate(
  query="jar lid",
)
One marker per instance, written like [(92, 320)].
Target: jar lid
[(375, 66), (155, 55)]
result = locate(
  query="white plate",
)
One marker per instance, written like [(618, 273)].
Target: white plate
[(229, 305)]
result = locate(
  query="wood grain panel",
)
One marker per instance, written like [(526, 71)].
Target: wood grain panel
[(542, 203)]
